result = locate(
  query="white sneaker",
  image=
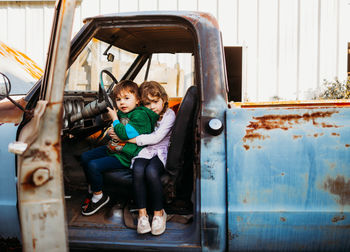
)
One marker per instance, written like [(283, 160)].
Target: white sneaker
[(159, 224), (143, 225)]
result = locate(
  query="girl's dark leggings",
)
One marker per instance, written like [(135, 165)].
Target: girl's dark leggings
[(146, 182)]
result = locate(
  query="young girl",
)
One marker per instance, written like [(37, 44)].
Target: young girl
[(149, 164)]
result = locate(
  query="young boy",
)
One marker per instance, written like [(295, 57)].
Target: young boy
[(129, 122)]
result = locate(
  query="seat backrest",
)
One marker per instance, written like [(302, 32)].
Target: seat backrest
[(182, 136)]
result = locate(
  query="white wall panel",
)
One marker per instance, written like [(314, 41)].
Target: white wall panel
[(34, 32), (187, 5), (344, 38), (108, 6), (228, 16), (308, 49), (290, 46), (90, 8), (208, 6), (16, 21), (267, 53), (167, 4), (247, 36), (287, 51), (149, 5), (328, 40), (128, 5), (3, 22)]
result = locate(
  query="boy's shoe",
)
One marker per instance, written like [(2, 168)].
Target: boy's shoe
[(92, 207), (159, 224), (143, 225), (86, 200)]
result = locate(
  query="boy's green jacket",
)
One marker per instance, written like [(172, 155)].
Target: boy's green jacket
[(139, 121)]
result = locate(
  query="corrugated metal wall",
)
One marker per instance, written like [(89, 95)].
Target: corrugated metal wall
[(290, 46)]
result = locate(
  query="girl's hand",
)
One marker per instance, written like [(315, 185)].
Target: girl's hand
[(132, 140), (112, 134), (112, 113)]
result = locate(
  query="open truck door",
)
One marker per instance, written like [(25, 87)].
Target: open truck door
[(40, 186)]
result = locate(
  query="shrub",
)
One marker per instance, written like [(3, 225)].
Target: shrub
[(336, 90)]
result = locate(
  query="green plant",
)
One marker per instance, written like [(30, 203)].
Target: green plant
[(336, 90)]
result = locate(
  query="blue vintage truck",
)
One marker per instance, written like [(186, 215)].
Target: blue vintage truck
[(241, 176)]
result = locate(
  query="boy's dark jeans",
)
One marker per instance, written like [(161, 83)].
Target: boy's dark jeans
[(146, 178), (97, 161)]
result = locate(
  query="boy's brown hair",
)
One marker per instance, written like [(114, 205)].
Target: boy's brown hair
[(125, 85), (154, 89)]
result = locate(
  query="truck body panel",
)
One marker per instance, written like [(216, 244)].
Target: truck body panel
[(288, 178)]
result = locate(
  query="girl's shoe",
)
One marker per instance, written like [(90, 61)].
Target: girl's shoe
[(159, 224), (143, 225)]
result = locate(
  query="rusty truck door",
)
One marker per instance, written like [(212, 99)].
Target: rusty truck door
[(40, 186), (288, 177)]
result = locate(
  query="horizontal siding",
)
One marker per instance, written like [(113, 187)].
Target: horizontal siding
[(290, 46)]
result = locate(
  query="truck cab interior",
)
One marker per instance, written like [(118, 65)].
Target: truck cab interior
[(108, 52)]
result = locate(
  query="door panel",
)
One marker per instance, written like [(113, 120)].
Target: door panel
[(288, 178), (40, 183)]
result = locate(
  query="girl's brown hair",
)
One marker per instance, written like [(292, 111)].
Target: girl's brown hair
[(154, 89)]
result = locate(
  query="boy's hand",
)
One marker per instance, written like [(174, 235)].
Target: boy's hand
[(112, 134), (112, 113)]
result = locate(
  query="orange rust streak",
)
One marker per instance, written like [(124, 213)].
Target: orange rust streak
[(284, 122), (26, 63)]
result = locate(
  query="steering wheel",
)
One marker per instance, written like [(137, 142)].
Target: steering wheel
[(103, 91)]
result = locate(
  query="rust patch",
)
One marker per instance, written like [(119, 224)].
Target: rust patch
[(232, 236), (347, 145), (338, 218), (282, 173), (284, 122), (335, 134), (325, 125), (246, 147), (28, 179), (37, 154), (34, 243), (339, 187), (57, 148), (282, 219)]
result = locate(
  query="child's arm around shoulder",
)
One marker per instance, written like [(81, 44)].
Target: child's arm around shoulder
[(165, 126)]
